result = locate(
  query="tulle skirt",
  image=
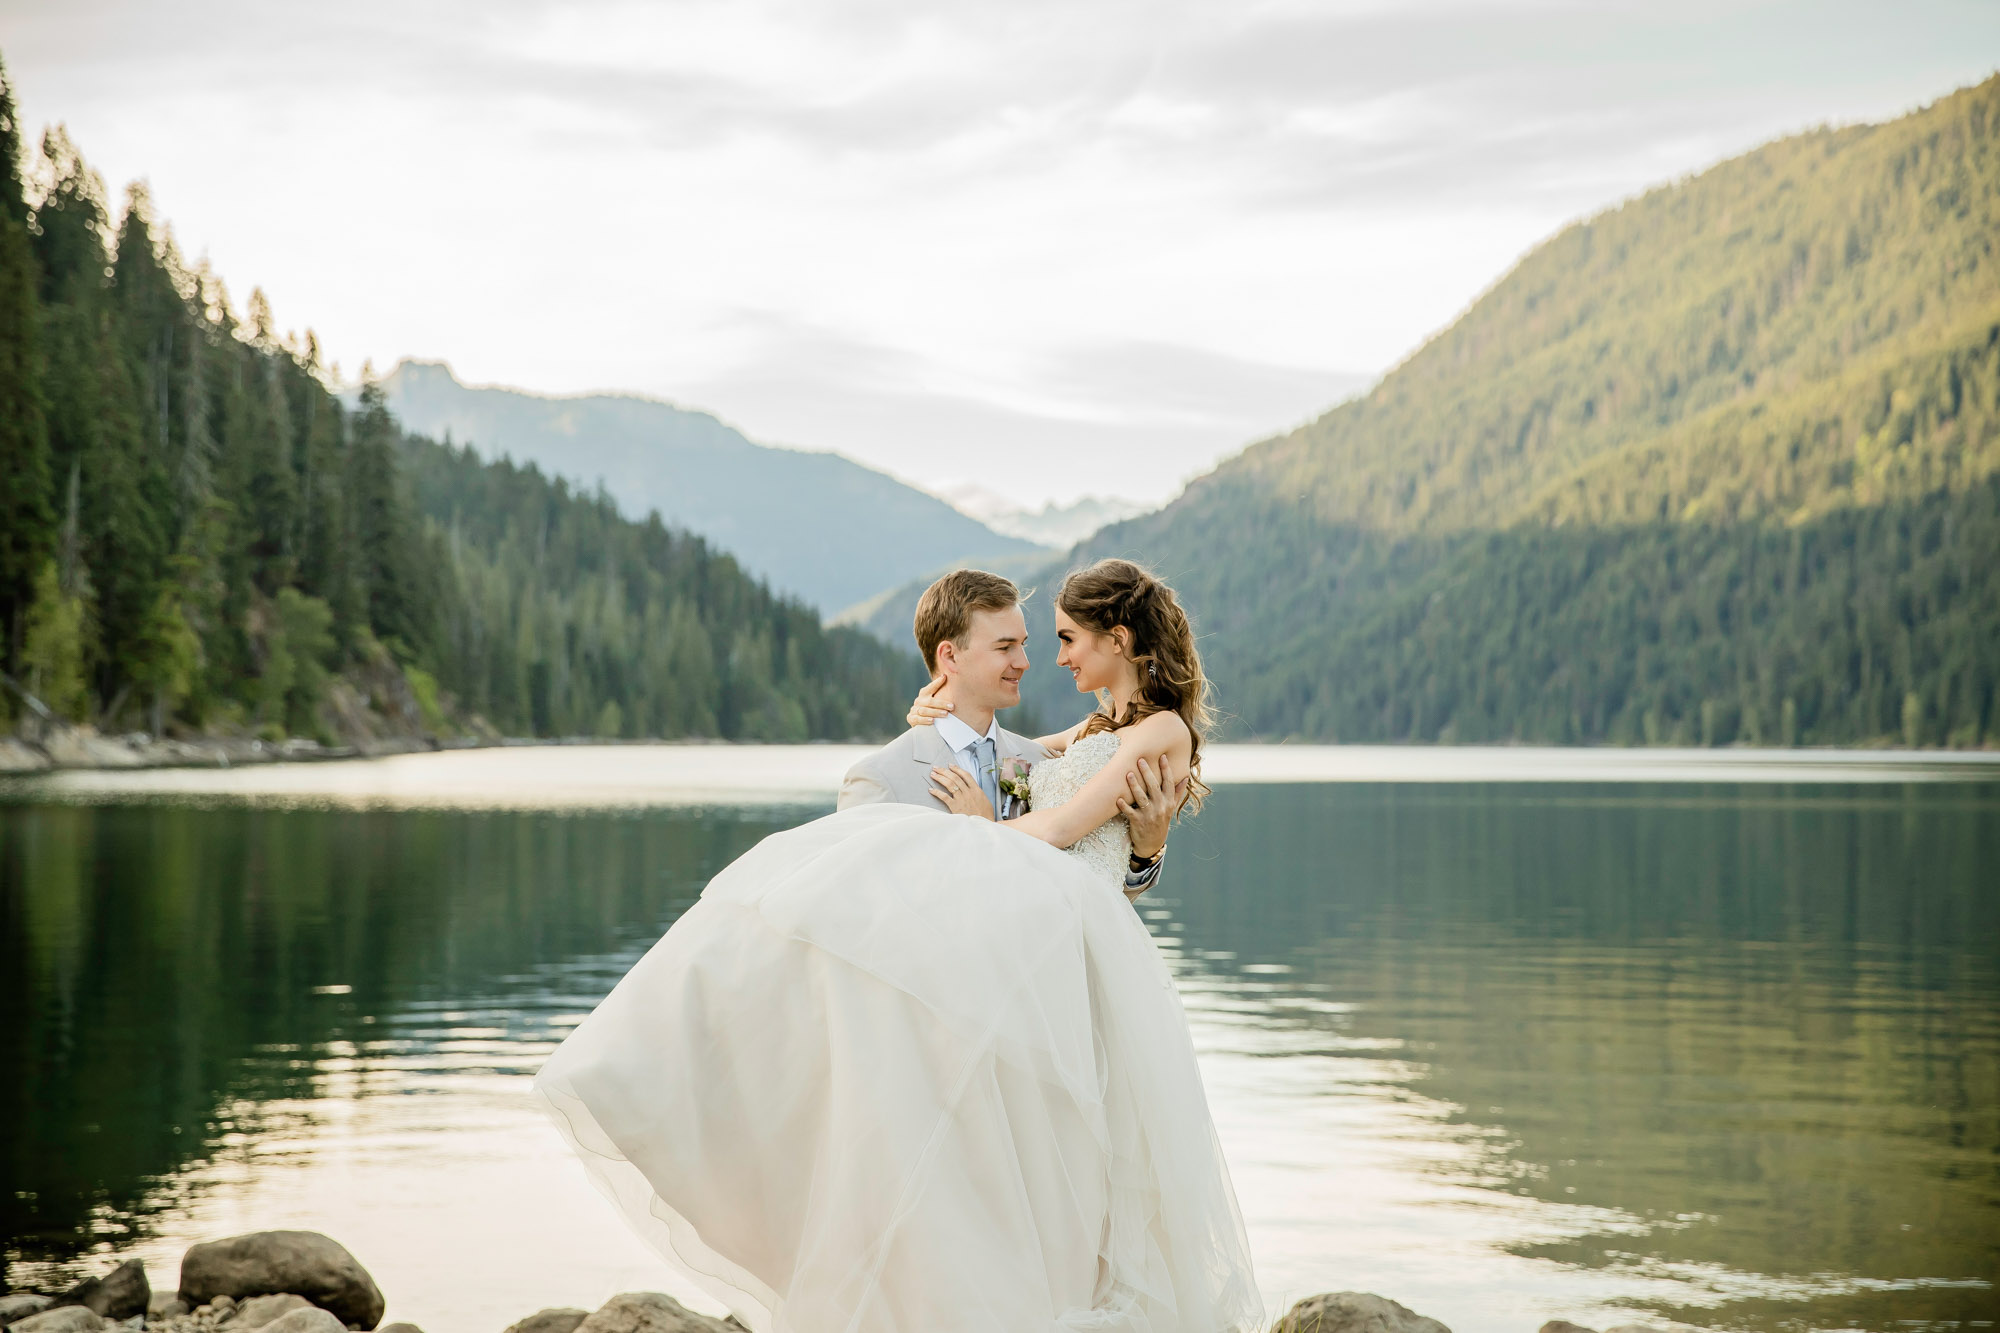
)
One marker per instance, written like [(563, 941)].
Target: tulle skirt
[(900, 1073)]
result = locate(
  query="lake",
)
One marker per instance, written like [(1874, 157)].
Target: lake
[(1698, 1037)]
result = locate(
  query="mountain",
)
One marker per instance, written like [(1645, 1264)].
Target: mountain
[(1060, 526), (817, 525), (1721, 463)]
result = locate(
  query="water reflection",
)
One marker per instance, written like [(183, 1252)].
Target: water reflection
[(183, 976), (1725, 1055), (1745, 1040)]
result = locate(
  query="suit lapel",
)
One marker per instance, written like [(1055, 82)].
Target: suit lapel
[(931, 751), (1017, 747)]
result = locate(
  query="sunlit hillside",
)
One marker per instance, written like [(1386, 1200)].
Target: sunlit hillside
[(1719, 464)]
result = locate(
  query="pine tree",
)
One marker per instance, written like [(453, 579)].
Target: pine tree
[(27, 509), (56, 647), (384, 555)]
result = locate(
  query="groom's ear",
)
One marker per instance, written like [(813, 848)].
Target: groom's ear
[(947, 658)]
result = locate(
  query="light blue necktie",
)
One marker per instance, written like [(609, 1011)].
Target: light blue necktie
[(985, 760)]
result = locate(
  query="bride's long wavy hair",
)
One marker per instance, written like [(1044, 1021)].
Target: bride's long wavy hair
[(1111, 593)]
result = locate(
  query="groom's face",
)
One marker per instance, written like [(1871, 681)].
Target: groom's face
[(987, 672)]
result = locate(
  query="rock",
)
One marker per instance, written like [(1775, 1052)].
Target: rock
[(262, 1263), (559, 1319), (399, 1327), (258, 1311), (61, 1319), (223, 1304), (82, 747), (1632, 1328), (305, 1319), (647, 1312), (21, 1304), (165, 1305), (16, 757), (1564, 1326), (1354, 1312), (119, 1294)]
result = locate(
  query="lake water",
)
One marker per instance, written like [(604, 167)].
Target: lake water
[(1708, 1038)]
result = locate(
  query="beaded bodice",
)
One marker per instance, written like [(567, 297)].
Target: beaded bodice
[(1056, 779)]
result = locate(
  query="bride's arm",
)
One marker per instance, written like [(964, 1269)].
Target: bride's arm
[(1163, 737)]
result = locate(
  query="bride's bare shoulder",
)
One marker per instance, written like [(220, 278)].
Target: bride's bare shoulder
[(1164, 728)]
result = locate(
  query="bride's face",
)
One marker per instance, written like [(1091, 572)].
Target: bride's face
[(1092, 659)]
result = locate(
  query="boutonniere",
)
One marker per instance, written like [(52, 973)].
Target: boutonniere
[(1014, 782)]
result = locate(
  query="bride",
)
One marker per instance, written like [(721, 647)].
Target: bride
[(894, 1073)]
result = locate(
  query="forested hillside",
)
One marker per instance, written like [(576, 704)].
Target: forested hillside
[(1718, 464), (194, 534), (816, 525)]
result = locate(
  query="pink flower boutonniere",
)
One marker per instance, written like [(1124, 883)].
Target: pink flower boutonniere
[(1014, 787)]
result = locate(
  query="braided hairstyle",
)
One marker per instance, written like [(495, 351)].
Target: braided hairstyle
[(1111, 593)]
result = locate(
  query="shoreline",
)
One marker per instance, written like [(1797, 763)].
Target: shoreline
[(80, 750), (74, 749), (308, 1282)]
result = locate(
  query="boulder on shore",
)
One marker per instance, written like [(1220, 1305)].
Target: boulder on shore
[(18, 1305), (556, 1319), (304, 1263), (258, 1311), (1354, 1312), (305, 1319), (119, 1294), (648, 1312), (399, 1327), (61, 1319)]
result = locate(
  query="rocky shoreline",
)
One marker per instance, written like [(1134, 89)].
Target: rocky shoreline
[(82, 748), (304, 1282)]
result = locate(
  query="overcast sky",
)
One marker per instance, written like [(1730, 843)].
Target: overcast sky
[(1055, 248)]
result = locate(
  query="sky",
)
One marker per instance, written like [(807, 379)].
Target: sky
[(1048, 247)]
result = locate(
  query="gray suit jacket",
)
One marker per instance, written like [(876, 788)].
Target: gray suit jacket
[(901, 770)]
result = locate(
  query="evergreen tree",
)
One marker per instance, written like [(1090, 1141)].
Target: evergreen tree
[(56, 653), (27, 511)]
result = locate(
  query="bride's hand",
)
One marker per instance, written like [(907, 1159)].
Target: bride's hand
[(959, 793), (925, 709)]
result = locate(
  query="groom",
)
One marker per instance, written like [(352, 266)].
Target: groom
[(971, 631)]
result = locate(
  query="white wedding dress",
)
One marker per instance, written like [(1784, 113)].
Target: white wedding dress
[(903, 1073)]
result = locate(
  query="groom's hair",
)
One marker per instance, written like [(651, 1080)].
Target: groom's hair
[(945, 610)]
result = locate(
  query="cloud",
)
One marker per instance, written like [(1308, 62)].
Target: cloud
[(1136, 419), (1096, 236)]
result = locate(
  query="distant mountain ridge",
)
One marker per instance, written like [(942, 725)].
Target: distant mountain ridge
[(1054, 525), (818, 526), (1719, 464)]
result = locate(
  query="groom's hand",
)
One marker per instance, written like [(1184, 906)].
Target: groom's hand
[(1148, 806)]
